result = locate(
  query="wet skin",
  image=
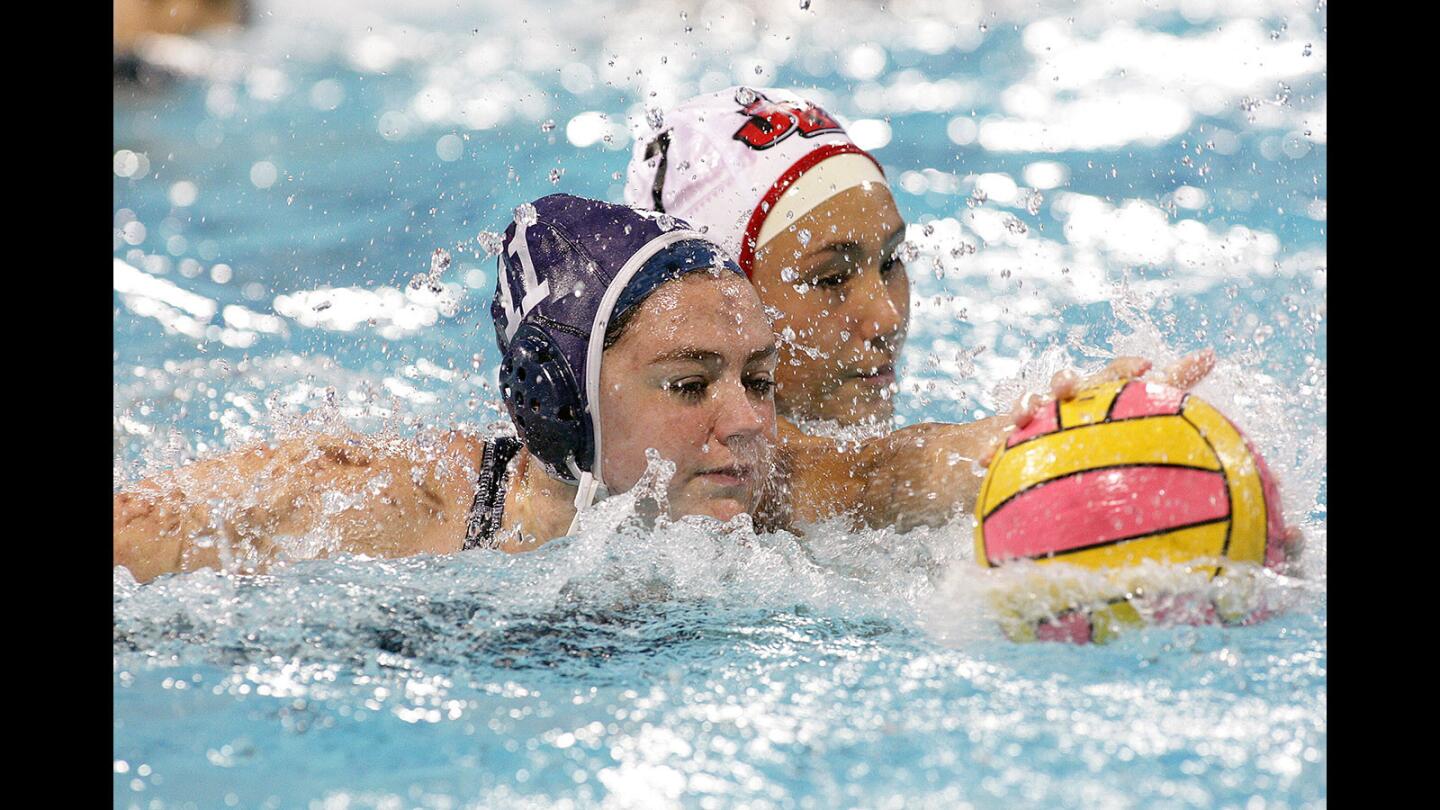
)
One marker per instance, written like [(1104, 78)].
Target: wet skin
[(696, 366), (846, 308), (691, 377)]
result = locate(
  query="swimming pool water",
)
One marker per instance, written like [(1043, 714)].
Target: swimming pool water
[(318, 151)]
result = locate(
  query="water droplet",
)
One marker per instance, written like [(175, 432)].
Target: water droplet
[(1015, 226), (439, 262), (804, 5), (788, 275), (490, 242), (548, 125), (1034, 201), (804, 237), (655, 118), (759, 70), (555, 175), (928, 228), (525, 214), (744, 96), (666, 222), (1306, 52), (907, 252)]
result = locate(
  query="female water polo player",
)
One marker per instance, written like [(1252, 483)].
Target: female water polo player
[(620, 332), (774, 180)]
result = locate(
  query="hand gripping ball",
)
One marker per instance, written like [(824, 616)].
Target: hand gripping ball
[(1124, 472)]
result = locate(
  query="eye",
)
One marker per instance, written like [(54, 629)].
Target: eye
[(692, 388), (763, 386), (832, 281), (891, 265)]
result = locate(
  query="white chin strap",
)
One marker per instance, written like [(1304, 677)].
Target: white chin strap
[(587, 493)]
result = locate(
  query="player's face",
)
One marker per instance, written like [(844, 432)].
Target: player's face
[(692, 378), (843, 302)]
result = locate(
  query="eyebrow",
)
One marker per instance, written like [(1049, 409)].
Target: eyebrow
[(711, 358), (895, 238), (851, 246)]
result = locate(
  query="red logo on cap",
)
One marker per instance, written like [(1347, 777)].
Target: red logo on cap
[(769, 123)]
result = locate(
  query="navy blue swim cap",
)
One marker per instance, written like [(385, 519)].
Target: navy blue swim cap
[(563, 276)]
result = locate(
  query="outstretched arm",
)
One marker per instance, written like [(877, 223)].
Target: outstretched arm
[(926, 474), (299, 498)]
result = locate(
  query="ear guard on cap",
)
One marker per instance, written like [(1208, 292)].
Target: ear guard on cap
[(544, 401)]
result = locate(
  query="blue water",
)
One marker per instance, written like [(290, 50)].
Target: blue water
[(682, 667)]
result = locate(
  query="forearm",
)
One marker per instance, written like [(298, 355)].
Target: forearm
[(303, 498), (153, 532), (178, 521), (924, 475)]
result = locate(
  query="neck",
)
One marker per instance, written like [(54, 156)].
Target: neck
[(537, 507)]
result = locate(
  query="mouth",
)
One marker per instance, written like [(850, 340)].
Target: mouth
[(733, 475), (877, 376)]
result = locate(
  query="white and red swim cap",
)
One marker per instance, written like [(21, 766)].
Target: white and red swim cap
[(744, 163)]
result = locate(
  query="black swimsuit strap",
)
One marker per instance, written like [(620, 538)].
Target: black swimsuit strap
[(488, 508)]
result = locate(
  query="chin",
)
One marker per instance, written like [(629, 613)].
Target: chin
[(861, 411), (721, 509), (728, 511)]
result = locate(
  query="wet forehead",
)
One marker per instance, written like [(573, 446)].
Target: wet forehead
[(864, 211), (862, 217), (722, 315)]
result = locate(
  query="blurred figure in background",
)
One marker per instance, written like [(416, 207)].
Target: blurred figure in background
[(135, 20)]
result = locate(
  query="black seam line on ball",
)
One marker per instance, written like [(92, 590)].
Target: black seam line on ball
[(1167, 465), (1058, 554), (1089, 424), (1225, 547)]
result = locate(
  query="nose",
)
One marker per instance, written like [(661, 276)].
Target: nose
[(739, 415), (877, 315)]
